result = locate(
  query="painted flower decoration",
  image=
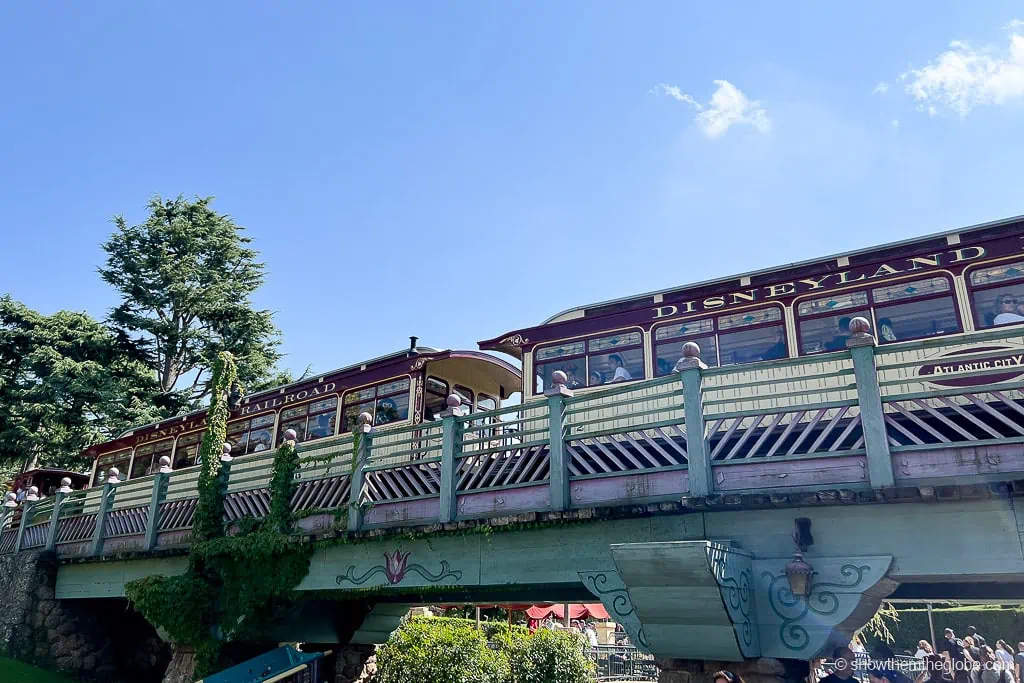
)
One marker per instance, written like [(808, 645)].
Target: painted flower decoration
[(395, 565)]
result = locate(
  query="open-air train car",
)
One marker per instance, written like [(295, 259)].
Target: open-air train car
[(409, 387)]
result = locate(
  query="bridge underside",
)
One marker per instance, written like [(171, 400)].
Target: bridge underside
[(707, 584)]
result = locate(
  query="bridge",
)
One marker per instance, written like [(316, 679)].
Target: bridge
[(673, 501)]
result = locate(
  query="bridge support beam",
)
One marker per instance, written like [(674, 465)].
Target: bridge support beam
[(876, 441)]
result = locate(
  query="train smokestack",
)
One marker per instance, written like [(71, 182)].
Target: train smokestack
[(412, 344)]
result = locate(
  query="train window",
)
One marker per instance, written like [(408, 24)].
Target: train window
[(147, 458), (261, 434), (386, 403), (238, 436), (906, 310), (666, 355), (466, 395), (435, 398), (916, 319), (120, 460), (601, 360), (310, 421), (186, 452), (485, 403), (748, 318), (749, 346), (828, 333), (839, 302), (998, 294)]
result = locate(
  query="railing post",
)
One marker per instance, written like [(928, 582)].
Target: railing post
[(872, 417), (355, 491), (159, 491), (106, 499), (698, 451), (31, 500), (559, 467), (7, 512), (451, 446), (51, 532)]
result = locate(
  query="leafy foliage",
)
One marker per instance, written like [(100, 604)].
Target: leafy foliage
[(185, 276), (444, 650), (547, 657), (66, 383), (208, 522), (439, 651), (233, 584)]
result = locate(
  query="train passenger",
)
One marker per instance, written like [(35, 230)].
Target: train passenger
[(838, 342), (596, 378), (885, 331), (621, 374), (1006, 310)]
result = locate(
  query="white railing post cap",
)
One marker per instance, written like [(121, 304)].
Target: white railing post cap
[(113, 476), (11, 501), (691, 358), (33, 494), (860, 333), (65, 485), (365, 423), (225, 455), (165, 464), (558, 385), (454, 403)]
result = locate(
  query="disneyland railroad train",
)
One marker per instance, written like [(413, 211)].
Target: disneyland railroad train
[(937, 288)]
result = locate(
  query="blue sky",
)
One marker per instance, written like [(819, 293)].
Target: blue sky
[(458, 170)]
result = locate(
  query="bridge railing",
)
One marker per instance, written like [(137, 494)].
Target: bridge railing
[(862, 419)]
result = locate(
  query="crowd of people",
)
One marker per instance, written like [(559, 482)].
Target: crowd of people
[(971, 659)]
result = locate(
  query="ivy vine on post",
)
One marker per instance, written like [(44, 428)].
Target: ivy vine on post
[(208, 522), (234, 585)]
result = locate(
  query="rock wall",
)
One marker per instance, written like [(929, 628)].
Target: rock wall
[(92, 639), (355, 664)]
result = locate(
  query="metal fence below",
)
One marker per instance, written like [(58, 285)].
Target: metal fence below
[(622, 663)]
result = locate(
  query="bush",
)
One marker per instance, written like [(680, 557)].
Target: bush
[(436, 651), (491, 629), (547, 657)]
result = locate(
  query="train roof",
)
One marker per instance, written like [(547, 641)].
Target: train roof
[(510, 342)]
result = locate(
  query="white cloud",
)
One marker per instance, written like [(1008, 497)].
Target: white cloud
[(963, 77), (728, 107), (895, 125), (881, 88)]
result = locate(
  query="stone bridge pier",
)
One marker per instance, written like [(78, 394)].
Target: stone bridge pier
[(99, 639)]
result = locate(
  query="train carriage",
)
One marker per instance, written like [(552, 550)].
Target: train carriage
[(399, 389), (961, 292)]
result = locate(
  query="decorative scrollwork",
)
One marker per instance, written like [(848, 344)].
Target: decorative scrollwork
[(615, 598), (821, 601), (736, 585), (515, 340), (395, 568)]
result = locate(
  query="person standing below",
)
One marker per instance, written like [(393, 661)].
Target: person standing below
[(960, 660), (924, 649), (1005, 655), (591, 635), (979, 639), (843, 659)]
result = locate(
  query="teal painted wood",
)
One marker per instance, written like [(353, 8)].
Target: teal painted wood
[(450, 448), (51, 533), (876, 441), (559, 477), (106, 498), (355, 512), (698, 450), (153, 516), (26, 516)]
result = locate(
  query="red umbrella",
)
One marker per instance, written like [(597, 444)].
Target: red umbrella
[(595, 610)]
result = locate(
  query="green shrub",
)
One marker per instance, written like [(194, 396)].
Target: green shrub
[(435, 651), (491, 629), (547, 657)]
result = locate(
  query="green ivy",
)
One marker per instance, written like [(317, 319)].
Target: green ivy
[(209, 517), (233, 584)]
